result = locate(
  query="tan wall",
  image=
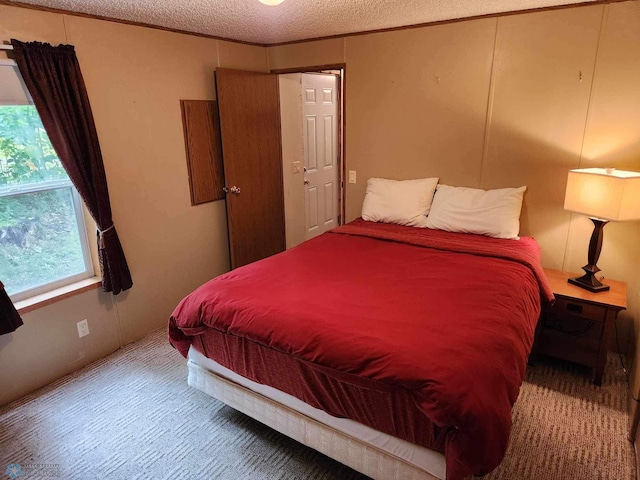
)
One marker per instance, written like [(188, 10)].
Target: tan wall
[(292, 151), (613, 133), (135, 78), (538, 113), (416, 104), (496, 102), (307, 54)]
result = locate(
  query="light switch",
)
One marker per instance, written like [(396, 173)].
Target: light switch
[(296, 167), (352, 176)]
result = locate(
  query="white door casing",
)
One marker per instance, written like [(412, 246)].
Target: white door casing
[(322, 172)]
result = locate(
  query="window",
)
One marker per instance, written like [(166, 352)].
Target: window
[(43, 239)]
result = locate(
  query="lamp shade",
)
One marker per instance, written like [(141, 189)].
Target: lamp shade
[(607, 194)]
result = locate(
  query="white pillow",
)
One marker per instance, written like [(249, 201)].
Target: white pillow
[(405, 202), (495, 213)]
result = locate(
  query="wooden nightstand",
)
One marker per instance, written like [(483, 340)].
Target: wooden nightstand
[(579, 325)]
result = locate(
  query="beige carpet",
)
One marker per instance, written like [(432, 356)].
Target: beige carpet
[(132, 416)]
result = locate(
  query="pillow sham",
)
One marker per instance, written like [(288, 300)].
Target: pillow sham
[(405, 202), (494, 213)]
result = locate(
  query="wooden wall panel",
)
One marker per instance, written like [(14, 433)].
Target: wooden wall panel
[(31, 25), (612, 138), (243, 57), (204, 152), (416, 104), (542, 81), (322, 52)]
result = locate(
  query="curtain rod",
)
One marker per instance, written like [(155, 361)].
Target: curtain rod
[(6, 47)]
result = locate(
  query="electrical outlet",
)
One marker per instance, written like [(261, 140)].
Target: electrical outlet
[(352, 176), (83, 328)]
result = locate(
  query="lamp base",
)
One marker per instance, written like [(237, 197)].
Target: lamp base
[(589, 282)]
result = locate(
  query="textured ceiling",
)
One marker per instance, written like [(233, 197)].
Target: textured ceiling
[(251, 21)]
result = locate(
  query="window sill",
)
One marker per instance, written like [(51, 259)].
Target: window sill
[(53, 296)]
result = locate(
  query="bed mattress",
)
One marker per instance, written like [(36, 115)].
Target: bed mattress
[(424, 458), (385, 408)]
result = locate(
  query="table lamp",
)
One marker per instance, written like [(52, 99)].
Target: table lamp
[(604, 195)]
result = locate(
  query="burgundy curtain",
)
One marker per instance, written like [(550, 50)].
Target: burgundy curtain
[(9, 318), (52, 76)]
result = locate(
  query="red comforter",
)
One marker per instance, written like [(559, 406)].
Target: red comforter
[(449, 317)]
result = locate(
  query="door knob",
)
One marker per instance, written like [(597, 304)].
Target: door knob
[(235, 190)]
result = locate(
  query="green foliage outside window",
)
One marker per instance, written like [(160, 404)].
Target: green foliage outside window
[(26, 155), (39, 237)]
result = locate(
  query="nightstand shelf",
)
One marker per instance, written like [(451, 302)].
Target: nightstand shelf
[(578, 326)]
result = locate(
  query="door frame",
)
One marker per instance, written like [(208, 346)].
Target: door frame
[(342, 135)]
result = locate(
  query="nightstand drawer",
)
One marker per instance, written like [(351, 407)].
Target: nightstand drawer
[(566, 308), (582, 350), (574, 326)]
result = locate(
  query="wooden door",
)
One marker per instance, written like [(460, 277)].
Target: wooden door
[(321, 168), (251, 149)]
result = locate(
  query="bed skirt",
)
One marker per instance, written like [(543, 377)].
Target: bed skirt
[(343, 448)]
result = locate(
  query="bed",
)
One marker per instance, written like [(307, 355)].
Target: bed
[(396, 350)]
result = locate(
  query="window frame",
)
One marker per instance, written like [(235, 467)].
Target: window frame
[(78, 206)]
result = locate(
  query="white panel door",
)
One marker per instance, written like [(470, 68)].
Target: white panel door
[(322, 172)]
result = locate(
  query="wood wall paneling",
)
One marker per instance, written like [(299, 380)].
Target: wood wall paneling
[(31, 25), (417, 104), (323, 52), (204, 154), (245, 57), (542, 78), (612, 139)]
